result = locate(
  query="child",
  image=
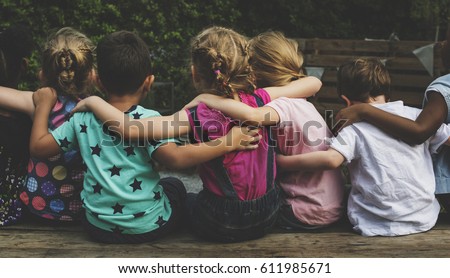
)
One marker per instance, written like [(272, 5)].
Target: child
[(124, 198), (436, 111), (15, 47), (53, 185), (310, 199), (239, 200), (392, 183)]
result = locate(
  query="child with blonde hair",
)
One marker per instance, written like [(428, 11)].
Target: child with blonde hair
[(310, 199), (239, 200), (52, 189)]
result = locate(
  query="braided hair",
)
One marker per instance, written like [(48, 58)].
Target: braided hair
[(220, 58), (68, 59)]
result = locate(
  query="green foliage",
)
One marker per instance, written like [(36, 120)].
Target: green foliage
[(168, 25)]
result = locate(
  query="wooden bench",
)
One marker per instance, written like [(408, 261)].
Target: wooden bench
[(409, 77), (32, 240)]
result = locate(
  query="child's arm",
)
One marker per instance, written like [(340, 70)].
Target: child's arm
[(412, 132), (185, 156), (301, 88), (313, 161), (237, 110), (42, 143), (15, 100), (153, 128)]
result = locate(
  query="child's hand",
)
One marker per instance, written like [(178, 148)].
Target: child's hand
[(243, 138), (84, 105), (349, 115), (45, 96), (205, 98)]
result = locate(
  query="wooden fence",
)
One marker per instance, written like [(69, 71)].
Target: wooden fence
[(409, 77)]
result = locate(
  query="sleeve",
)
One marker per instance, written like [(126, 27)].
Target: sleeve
[(442, 86), (65, 135), (346, 143), (280, 105), (438, 139), (153, 145)]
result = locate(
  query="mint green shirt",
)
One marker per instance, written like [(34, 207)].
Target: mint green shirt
[(120, 190)]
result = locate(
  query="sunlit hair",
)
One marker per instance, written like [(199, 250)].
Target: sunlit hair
[(363, 78), (220, 59), (67, 61), (275, 59)]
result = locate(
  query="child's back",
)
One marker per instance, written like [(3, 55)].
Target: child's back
[(311, 199), (15, 47), (239, 200), (392, 182), (53, 186)]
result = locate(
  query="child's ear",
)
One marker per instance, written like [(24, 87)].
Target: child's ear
[(148, 82), (347, 101)]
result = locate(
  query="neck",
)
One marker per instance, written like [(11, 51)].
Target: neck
[(381, 99), (123, 103)]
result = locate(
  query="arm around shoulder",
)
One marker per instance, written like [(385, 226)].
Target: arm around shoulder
[(313, 161)]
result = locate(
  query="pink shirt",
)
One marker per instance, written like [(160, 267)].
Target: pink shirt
[(247, 170), (316, 197)]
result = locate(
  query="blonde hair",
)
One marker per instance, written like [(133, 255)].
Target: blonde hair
[(68, 59), (219, 56), (275, 60)]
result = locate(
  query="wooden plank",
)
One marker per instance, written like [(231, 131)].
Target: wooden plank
[(406, 64), (355, 46), (336, 241)]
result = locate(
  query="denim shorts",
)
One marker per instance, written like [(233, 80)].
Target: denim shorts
[(220, 219)]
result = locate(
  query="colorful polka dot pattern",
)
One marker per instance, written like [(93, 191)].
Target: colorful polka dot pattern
[(53, 185)]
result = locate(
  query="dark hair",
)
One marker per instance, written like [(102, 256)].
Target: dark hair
[(16, 43), (123, 62), (363, 78)]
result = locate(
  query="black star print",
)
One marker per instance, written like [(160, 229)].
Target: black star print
[(130, 150), (83, 129), (95, 214), (97, 188), (154, 143), (160, 221), (137, 115), (64, 143), (96, 150), (140, 214), (117, 208), (136, 185), (117, 230), (115, 171), (157, 195)]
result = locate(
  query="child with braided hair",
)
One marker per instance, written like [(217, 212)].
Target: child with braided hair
[(239, 200), (52, 189)]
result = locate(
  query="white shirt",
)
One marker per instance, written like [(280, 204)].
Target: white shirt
[(392, 182)]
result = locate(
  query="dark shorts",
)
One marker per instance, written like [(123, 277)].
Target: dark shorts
[(175, 191), (287, 220), (220, 219)]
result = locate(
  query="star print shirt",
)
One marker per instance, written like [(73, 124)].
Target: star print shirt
[(53, 185), (121, 192)]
